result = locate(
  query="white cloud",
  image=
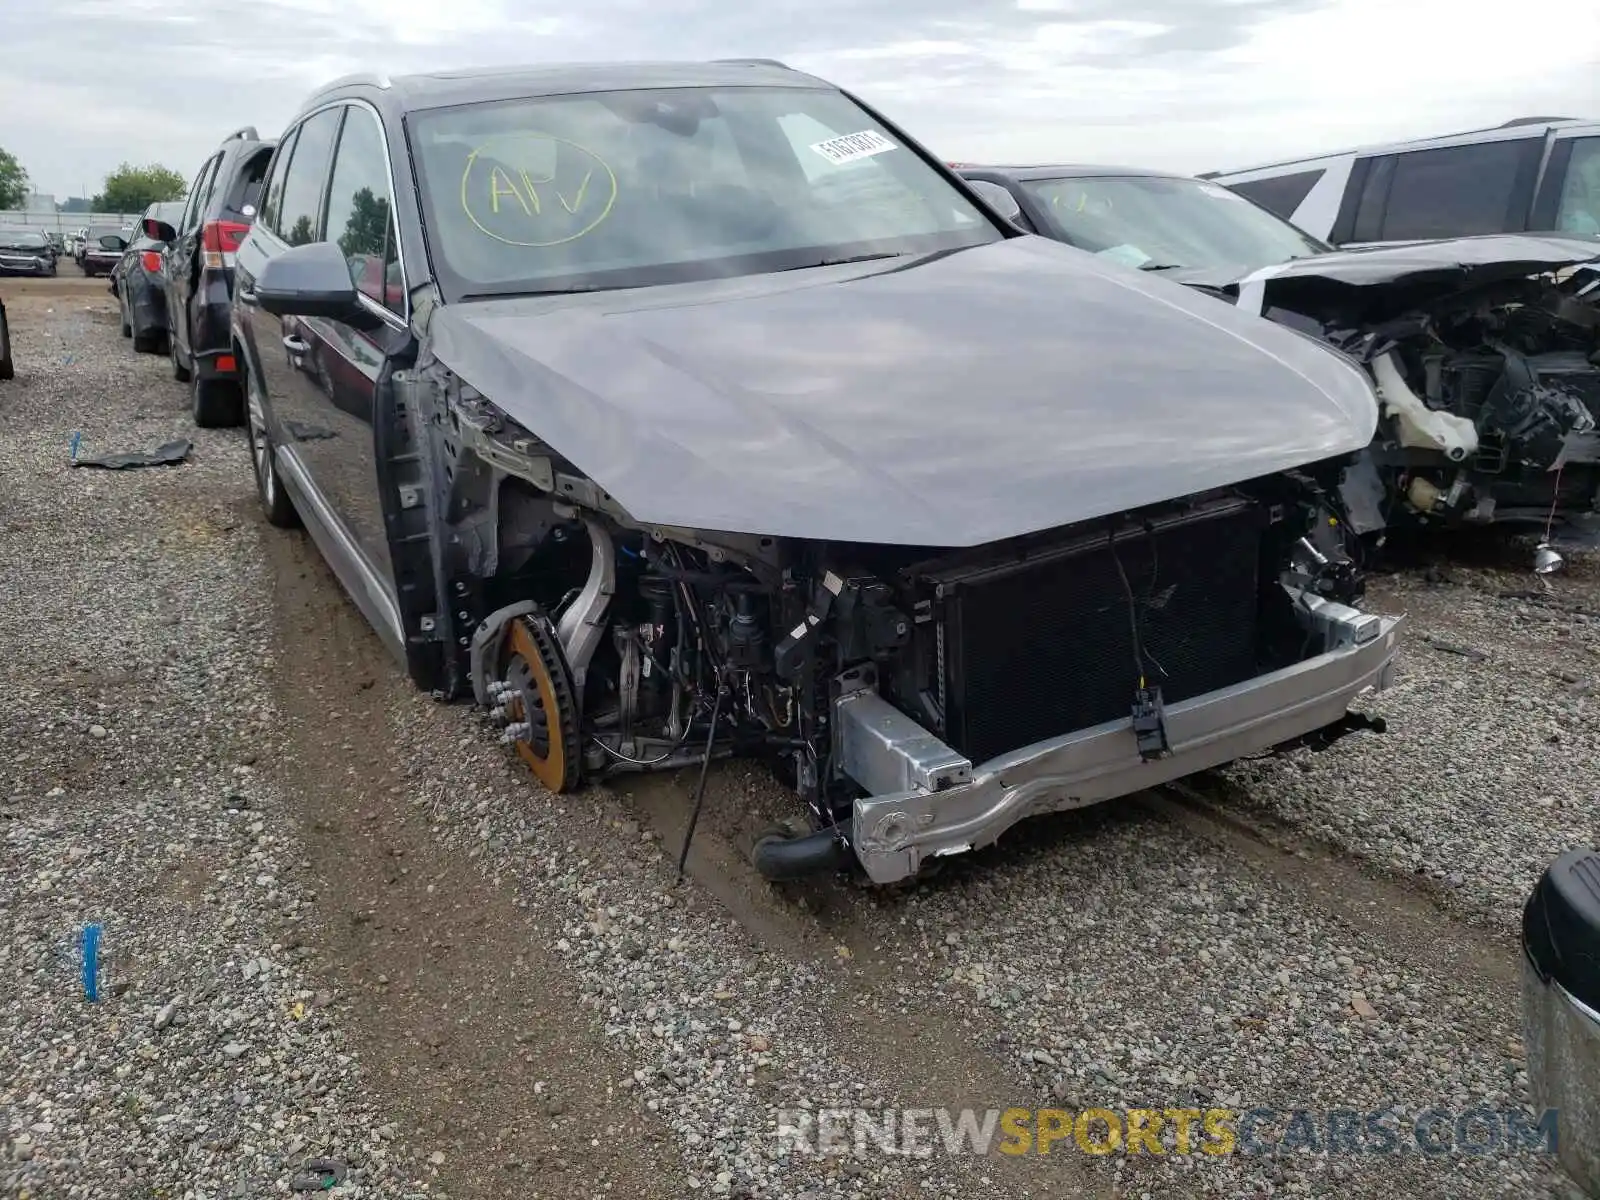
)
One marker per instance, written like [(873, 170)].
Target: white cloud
[(1191, 84)]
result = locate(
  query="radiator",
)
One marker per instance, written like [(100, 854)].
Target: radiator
[(1042, 645)]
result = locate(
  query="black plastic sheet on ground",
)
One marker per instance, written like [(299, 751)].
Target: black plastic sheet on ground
[(162, 456)]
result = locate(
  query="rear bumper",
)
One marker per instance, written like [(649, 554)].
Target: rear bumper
[(211, 337), (928, 801), (1562, 1038), (147, 306)]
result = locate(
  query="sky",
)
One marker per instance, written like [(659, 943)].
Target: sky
[(1189, 85)]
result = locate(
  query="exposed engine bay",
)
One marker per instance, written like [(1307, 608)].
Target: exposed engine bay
[(1489, 378), (599, 645)]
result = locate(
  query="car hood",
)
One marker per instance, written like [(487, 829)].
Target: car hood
[(946, 400), (1411, 274)]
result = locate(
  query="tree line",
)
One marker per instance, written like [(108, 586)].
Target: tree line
[(128, 189)]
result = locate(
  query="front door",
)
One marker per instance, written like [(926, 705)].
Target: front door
[(346, 363)]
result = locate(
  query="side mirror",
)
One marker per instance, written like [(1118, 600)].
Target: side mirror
[(158, 230), (312, 280), (998, 198), (112, 241)]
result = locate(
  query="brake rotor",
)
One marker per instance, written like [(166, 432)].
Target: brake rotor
[(541, 697)]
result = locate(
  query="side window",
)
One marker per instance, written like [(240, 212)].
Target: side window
[(360, 210), (270, 208), (197, 195), (1579, 209), (1281, 194), (203, 207), (301, 204), (1460, 190)]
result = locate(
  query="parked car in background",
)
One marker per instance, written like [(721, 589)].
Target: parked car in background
[(197, 273), (1484, 349), (7, 368), (1534, 174), (695, 409), (103, 250), (139, 284), (50, 245), (23, 252)]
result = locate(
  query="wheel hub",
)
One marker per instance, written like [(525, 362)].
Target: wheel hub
[(540, 703)]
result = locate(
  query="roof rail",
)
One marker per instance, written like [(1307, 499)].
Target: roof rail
[(367, 78), (1512, 124), (753, 62), (248, 133)]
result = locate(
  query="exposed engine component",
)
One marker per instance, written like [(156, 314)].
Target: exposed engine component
[(871, 675), (1493, 401)]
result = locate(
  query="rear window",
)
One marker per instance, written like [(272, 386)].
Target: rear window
[(1281, 194), (245, 189)]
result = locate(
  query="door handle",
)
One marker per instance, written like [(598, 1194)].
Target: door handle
[(245, 296), (295, 345)]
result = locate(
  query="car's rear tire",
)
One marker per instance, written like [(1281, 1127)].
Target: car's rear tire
[(217, 403), (7, 371), (275, 502), (122, 307)]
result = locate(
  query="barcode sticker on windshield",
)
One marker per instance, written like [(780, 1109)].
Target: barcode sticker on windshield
[(852, 146)]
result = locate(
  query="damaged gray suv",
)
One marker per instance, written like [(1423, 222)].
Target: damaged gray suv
[(679, 411)]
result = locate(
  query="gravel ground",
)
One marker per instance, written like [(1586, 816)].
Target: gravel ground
[(211, 1065), (340, 922), (1493, 717)]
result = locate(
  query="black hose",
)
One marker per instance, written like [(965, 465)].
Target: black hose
[(780, 859), (700, 788)]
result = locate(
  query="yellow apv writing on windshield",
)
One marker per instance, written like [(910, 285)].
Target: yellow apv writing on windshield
[(531, 189)]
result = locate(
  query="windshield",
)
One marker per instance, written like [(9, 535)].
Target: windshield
[(625, 189), (1155, 222), (15, 238)]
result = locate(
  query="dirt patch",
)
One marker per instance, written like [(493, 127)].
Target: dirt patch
[(28, 292), (453, 997)]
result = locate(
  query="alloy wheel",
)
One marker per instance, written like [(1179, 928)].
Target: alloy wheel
[(260, 441)]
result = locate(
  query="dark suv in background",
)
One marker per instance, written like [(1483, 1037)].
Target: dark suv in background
[(102, 249), (197, 272)]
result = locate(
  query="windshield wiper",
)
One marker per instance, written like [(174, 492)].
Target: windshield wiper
[(1161, 266), (574, 290), (841, 262)]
